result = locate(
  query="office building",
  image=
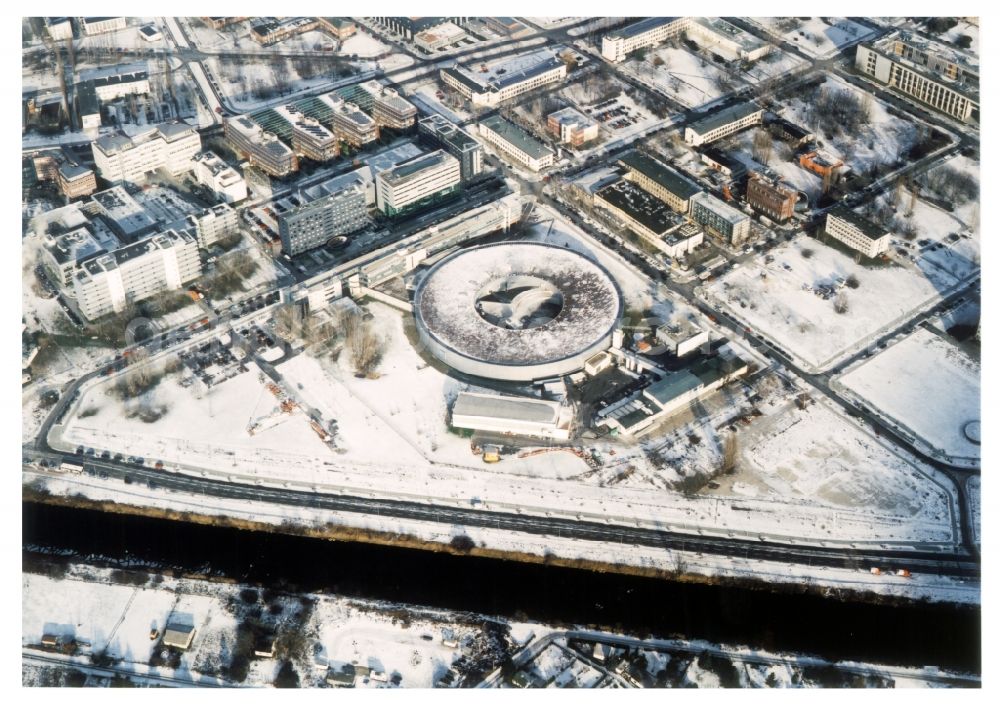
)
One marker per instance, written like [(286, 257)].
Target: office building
[(100, 25), (726, 39), (108, 282), (660, 180), (305, 223), (439, 37), (516, 143), (271, 30), (854, 230), (224, 181), (712, 33), (74, 180), (64, 252), (722, 123), (389, 109), (508, 80), (774, 200), (337, 27), (220, 22), (261, 148), (617, 45), (572, 127), (649, 218), (168, 146), (936, 75), (352, 125), (310, 139), (59, 28), (211, 224), (719, 219), (505, 26), (417, 182), (444, 134)]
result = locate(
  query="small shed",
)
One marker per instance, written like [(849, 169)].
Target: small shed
[(264, 646), (178, 636)]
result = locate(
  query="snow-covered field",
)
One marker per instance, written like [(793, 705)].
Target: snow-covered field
[(783, 457), (776, 63), (364, 45), (967, 212), (928, 385), (817, 37), (806, 325), (688, 79), (115, 619), (963, 28), (403, 643)]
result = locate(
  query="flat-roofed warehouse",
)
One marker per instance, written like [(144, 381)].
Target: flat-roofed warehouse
[(516, 415), (516, 311)]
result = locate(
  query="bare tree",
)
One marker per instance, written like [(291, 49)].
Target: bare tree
[(730, 454), (366, 348), (840, 303), (762, 146)]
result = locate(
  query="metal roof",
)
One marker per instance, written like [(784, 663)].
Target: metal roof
[(665, 176), (517, 137), (506, 407), (867, 227), (724, 117)]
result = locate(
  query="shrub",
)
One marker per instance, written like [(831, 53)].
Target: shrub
[(462, 543), (853, 282), (807, 253)]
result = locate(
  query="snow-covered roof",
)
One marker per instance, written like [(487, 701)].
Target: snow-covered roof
[(446, 303)]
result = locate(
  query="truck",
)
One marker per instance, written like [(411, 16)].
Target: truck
[(491, 453)]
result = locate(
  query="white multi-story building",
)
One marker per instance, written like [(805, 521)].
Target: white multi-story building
[(516, 143), (938, 76), (572, 127), (100, 25), (722, 123), (711, 32), (646, 33), (111, 82), (107, 283), (417, 182), (504, 82), (224, 181), (170, 146), (856, 231), (213, 223), (263, 149)]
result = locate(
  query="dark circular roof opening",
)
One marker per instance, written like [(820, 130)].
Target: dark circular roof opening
[(519, 301)]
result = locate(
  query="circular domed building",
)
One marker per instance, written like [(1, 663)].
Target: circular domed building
[(516, 311)]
